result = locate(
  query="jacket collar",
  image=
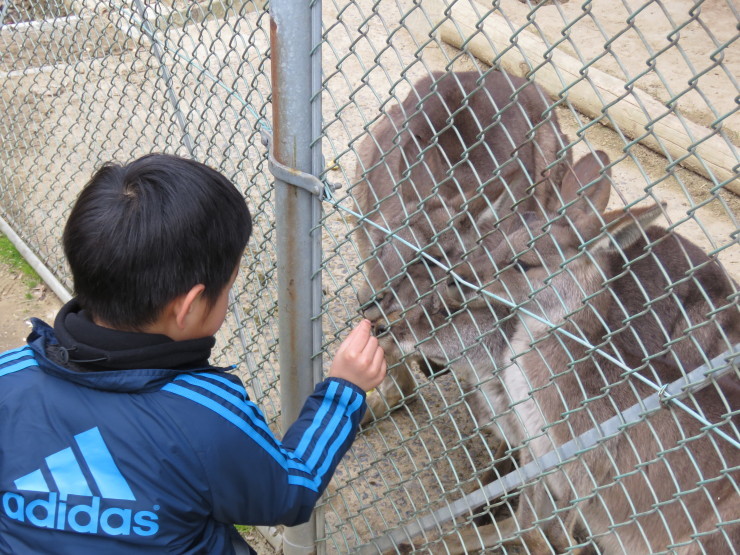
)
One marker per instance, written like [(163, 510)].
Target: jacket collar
[(90, 347), (78, 350)]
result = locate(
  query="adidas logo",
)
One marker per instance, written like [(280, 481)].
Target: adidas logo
[(69, 478)]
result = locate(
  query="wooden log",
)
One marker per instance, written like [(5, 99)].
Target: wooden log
[(593, 92)]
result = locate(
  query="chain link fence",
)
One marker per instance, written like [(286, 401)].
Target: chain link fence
[(537, 207)]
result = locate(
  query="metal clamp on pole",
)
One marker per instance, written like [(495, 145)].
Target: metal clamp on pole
[(294, 177)]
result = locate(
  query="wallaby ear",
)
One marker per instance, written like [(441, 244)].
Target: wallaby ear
[(549, 140), (589, 170), (626, 230)]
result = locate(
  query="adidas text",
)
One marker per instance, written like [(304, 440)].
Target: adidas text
[(83, 518)]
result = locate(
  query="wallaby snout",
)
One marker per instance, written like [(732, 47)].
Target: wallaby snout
[(371, 309), (379, 329)]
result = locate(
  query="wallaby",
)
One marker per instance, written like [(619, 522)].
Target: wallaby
[(438, 160), (649, 298), (432, 167), (418, 319), (403, 315)]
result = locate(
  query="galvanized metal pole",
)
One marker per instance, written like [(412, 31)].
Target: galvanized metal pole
[(318, 165), (295, 105)]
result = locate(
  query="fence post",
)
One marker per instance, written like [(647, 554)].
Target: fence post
[(295, 29)]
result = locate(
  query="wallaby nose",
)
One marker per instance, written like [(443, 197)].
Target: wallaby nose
[(379, 328), (371, 311)]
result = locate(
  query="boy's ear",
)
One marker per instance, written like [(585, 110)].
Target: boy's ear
[(183, 305)]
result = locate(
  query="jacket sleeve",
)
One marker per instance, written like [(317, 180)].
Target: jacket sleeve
[(253, 477)]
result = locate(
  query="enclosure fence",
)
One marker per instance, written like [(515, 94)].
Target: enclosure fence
[(535, 203)]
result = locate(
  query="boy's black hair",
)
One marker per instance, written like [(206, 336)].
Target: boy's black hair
[(144, 233)]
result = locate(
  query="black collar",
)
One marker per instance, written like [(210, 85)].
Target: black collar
[(86, 346)]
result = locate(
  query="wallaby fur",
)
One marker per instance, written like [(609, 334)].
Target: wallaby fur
[(424, 333), (433, 167), (414, 322), (663, 310), (457, 142)]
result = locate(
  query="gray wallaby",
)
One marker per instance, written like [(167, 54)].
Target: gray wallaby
[(432, 168), (438, 160), (649, 298)]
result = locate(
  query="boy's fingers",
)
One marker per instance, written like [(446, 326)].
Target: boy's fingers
[(379, 371), (379, 361), (357, 338), (371, 345)]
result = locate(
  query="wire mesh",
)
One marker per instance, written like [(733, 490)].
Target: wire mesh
[(91, 82), (470, 258), (499, 164)]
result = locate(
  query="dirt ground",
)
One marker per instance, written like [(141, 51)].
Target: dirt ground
[(18, 304), (260, 544)]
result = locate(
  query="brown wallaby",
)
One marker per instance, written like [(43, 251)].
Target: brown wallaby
[(432, 167), (411, 333), (416, 322), (648, 298), (438, 160)]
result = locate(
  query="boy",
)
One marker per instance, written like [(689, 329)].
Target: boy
[(116, 435)]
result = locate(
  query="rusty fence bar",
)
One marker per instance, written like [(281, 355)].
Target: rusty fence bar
[(294, 146)]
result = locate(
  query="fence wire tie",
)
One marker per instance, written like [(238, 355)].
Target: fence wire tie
[(663, 396), (292, 176), (694, 381)]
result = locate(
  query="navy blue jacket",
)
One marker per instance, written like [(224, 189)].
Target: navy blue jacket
[(153, 460)]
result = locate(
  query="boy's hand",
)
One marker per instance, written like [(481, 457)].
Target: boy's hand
[(360, 359)]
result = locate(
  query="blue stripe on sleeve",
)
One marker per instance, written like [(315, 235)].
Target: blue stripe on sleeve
[(340, 439), (331, 427), (239, 389), (213, 388), (318, 418), (249, 419), (17, 366), (251, 412), (267, 446), (15, 354)]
